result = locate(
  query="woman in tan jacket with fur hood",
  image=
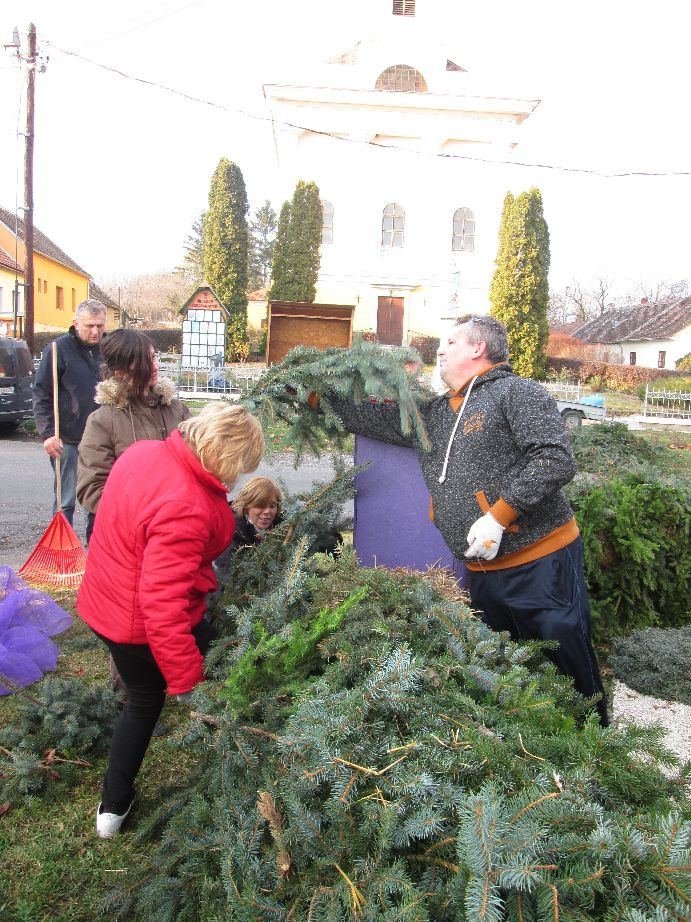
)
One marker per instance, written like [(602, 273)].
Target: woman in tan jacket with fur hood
[(134, 404)]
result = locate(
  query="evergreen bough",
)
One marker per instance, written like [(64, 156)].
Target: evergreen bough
[(58, 723), (360, 373)]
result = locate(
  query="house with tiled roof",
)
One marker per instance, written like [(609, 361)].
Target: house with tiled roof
[(59, 282), (651, 334), (116, 316), (11, 286)]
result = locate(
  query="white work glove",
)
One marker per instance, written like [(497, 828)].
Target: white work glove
[(484, 538), (184, 697)]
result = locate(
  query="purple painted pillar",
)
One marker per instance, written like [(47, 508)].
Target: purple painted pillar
[(392, 524)]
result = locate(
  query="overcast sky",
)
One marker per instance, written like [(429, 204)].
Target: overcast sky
[(122, 168)]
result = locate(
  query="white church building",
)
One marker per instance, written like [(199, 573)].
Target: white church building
[(397, 139)]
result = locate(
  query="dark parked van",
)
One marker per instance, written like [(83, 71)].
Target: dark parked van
[(16, 382)]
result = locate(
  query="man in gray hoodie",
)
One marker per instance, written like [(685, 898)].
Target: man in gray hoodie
[(500, 456)]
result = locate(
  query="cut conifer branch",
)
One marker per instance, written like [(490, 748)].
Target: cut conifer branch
[(363, 372)]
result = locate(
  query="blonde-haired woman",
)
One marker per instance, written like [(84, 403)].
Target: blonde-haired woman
[(162, 519)]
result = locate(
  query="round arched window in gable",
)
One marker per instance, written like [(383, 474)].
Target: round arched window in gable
[(401, 78)]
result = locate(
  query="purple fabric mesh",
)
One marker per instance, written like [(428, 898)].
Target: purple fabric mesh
[(28, 618)]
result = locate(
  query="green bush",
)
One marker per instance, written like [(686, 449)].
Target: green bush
[(610, 449), (637, 555), (655, 661)]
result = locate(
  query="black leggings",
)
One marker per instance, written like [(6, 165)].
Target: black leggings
[(146, 693)]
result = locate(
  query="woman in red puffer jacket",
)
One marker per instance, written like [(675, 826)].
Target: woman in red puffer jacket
[(161, 521)]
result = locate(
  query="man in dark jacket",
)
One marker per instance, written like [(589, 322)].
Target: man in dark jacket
[(79, 371), (499, 458)]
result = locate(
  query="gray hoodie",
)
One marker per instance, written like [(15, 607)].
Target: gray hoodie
[(505, 450)]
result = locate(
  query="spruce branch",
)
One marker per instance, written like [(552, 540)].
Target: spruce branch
[(363, 372)]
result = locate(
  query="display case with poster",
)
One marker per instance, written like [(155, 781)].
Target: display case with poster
[(203, 329)]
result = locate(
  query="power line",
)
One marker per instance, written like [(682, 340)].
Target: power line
[(143, 25), (376, 144)]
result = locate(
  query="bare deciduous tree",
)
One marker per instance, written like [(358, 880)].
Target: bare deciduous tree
[(663, 290), (151, 298)]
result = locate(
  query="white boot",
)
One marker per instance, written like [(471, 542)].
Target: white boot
[(108, 824)]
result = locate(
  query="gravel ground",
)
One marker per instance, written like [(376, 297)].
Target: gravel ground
[(642, 709)]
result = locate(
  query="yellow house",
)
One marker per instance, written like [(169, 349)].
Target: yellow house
[(59, 283), (11, 285)]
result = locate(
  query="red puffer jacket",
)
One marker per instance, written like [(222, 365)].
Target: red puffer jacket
[(161, 522)]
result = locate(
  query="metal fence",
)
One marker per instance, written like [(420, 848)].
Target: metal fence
[(215, 383), (667, 404), (564, 390)]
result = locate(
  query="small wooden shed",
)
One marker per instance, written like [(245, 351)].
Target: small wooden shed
[(294, 323)]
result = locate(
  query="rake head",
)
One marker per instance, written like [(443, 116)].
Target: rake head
[(58, 561)]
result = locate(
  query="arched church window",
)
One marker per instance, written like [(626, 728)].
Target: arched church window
[(327, 222), (463, 237), (393, 226), (401, 78)]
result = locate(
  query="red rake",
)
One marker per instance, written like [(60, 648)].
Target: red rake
[(58, 561)]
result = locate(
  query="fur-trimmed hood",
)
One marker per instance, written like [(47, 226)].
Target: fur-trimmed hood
[(109, 393)]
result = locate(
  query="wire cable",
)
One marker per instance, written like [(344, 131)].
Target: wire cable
[(143, 25), (376, 144)]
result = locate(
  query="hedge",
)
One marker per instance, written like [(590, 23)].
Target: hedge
[(637, 555), (615, 377)]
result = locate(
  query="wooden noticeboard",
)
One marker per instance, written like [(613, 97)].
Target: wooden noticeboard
[(292, 323)]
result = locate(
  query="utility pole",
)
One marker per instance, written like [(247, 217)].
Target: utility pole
[(29, 193)]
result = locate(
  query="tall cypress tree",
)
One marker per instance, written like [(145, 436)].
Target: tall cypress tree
[(225, 250), (280, 261), (262, 240), (295, 266), (520, 287)]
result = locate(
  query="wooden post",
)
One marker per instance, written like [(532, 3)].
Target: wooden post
[(29, 193)]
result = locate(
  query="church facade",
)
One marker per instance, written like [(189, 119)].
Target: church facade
[(398, 142)]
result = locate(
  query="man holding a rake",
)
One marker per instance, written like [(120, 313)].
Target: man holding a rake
[(77, 372)]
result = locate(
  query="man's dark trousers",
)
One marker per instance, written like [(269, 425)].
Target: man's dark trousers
[(546, 599)]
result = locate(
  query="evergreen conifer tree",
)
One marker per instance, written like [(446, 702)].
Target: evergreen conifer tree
[(520, 288), (262, 240), (225, 250), (295, 267), (194, 252), (280, 258)]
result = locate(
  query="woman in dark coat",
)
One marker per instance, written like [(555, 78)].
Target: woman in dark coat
[(257, 509)]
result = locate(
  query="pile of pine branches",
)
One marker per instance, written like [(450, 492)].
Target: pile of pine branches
[(410, 764)]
